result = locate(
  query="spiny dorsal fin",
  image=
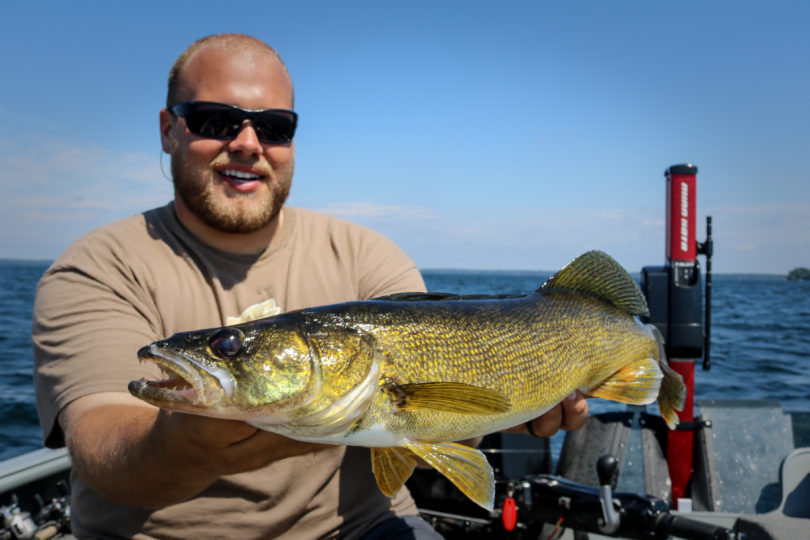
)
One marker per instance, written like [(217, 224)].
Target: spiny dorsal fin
[(596, 273), (440, 296), (416, 297)]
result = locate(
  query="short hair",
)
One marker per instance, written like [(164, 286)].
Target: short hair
[(236, 43)]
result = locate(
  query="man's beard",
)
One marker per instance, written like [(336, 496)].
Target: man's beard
[(196, 190)]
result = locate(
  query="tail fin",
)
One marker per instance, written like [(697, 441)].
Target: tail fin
[(672, 395)]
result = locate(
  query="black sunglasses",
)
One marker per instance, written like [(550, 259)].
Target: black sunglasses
[(222, 121)]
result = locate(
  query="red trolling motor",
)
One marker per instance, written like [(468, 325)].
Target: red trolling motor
[(677, 308)]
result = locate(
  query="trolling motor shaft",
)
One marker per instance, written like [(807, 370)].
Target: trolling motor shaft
[(676, 305)]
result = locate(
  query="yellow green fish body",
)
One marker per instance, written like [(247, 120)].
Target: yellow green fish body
[(409, 374)]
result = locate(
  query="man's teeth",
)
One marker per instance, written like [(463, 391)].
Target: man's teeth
[(239, 175)]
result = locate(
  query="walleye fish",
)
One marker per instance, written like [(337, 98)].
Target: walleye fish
[(409, 374)]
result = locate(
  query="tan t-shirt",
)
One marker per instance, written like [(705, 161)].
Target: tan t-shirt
[(144, 278)]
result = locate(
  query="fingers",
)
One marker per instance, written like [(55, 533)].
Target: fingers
[(263, 448), (547, 424), (570, 414), (574, 411), (226, 446), (206, 432)]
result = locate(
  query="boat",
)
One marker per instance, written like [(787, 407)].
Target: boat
[(612, 480), (35, 495), (748, 483), (739, 469)]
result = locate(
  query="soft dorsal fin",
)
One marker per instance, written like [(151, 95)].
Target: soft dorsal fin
[(597, 274)]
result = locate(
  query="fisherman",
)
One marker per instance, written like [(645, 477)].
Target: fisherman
[(226, 249)]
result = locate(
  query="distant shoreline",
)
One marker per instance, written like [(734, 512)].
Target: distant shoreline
[(25, 261), (740, 275), (45, 262)]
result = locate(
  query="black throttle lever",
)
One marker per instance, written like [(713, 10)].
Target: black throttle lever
[(607, 468)]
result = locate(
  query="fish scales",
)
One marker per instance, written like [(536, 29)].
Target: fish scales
[(523, 348), (409, 374)]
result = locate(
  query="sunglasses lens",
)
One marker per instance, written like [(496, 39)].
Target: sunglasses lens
[(213, 123), (217, 121), (274, 126)]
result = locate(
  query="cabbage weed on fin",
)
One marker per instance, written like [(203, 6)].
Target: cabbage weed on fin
[(597, 274)]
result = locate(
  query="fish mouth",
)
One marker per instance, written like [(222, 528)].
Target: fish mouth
[(189, 384)]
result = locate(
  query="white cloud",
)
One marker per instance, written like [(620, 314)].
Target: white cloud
[(769, 238), (56, 190), (372, 211), (519, 239)]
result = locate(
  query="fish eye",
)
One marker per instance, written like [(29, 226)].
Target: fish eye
[(226, 342)]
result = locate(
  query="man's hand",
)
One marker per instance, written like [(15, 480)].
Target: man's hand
[(569, 414), (136, 454), (219, 447)]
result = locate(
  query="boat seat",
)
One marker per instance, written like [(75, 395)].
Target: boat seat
[(738, 456), (796, 484), (790, 519)]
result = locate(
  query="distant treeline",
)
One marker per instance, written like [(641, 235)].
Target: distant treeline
[(799, 274)]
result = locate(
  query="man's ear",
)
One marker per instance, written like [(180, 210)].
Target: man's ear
[(166, 126)]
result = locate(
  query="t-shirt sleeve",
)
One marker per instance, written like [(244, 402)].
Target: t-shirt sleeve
[(386, 269), (87, 328)]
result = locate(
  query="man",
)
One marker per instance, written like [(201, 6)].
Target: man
[(226, 247)]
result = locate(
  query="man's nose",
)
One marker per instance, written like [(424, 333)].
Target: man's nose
[(246, 141)]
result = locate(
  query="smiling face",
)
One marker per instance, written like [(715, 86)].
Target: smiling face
[(230, 186)]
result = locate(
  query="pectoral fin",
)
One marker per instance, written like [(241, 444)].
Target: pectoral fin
[(636, 383), (465, 467), (449, 397), (391, 467)]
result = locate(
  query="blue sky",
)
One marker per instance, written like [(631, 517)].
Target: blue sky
[(483, 135)]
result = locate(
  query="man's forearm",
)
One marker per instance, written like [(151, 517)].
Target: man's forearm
[(115, 452), (138, 455)]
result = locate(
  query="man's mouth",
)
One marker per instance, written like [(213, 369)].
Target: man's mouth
[(239, 176), (241, 180)]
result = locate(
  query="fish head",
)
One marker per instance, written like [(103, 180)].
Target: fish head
[(347, 374), (228, 372), (273, 371)]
